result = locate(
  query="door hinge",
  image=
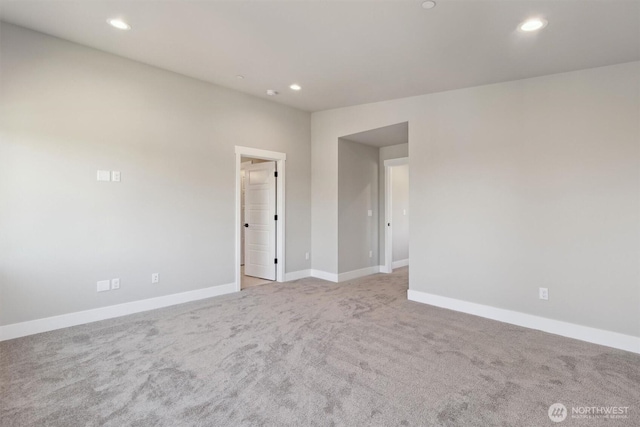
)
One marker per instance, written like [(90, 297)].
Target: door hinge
[(275, 174), (275, 261), (275, 217)]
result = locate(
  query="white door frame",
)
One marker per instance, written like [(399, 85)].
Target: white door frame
[(388, 216), (280, 159)]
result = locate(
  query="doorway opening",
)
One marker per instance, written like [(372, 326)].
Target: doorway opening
[(396, 189), (362, 202), (260, 218)]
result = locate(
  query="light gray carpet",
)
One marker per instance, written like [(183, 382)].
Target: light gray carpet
[(309, 353)]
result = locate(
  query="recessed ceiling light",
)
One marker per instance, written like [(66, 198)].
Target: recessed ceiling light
[(119, 24), (295, 86), (240, 77), (533, 24), (428, 4), (272, 92)]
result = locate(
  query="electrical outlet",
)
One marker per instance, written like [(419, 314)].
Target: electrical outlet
[(155, 277), (115, 284), (306, 255), (370, 254), (115, 176), (543, 293), (103, 286)]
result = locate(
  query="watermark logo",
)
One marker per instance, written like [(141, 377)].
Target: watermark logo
[(557, 412)]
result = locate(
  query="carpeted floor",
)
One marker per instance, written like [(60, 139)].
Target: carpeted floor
[(309, 352)]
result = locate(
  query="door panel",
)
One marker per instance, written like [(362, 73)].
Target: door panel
[(258, 216), (260, 210), (242, 174)]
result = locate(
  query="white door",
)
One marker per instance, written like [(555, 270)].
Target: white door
[(260, 221), (243, 165)]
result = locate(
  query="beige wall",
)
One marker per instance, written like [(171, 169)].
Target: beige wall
[(514, 186), (67, 111)]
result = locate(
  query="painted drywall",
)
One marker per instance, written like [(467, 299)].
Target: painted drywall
[(386, 153), (520, 185), (357, 194), (67, 111), (400, 212)]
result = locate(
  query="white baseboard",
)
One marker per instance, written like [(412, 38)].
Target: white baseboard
[(331, 277), (296, 275), (37, 326), (401, 263), (350, 275), (565, 329)]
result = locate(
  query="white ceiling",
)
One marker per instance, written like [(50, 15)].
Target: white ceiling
[(347, 52), (382, 137)]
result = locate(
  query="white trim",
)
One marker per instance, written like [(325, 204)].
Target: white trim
[(387, 266), (282, 217), (319, 274), (297, 275), (401, 263), (280, 159), (257, 153), (350, 275), (37, 326), (565, 329)]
